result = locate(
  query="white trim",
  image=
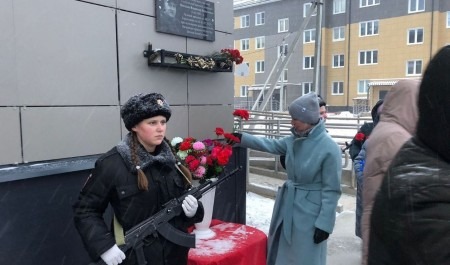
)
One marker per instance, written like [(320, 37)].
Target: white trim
[(382, 83), (241, 4)]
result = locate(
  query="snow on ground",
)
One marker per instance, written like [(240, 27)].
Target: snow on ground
[(259, 211)]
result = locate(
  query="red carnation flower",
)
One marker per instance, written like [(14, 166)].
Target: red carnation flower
[(185, 145), (360, 136), (241, 113), (219, 131)]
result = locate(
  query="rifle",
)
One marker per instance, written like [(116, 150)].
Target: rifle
[(159, 222), (347, 146)]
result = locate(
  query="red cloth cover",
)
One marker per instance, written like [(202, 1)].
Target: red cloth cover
[(233, 244)]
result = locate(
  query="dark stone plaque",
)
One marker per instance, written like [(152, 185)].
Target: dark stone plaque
[(189, 18)]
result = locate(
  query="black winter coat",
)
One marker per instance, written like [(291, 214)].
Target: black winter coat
[(359, 139), (113, 181), (410, 221)]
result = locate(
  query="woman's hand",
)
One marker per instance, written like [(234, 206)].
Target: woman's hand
[(320, 235)]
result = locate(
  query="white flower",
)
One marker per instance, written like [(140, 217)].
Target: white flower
[(176, 141), (182, 154)]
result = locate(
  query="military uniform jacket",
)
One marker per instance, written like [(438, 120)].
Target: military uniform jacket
[(114, 182)]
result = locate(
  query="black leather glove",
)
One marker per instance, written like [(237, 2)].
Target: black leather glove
[(320, 235), (234, 141), (238, 135)]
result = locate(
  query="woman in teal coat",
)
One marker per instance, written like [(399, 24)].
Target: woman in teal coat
[(305, 208)]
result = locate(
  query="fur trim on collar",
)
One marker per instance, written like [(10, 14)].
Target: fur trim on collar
[(164, 154)]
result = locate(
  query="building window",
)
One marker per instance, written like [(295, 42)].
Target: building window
[(260, 19), (338, 6), (364, 3), (284, 76), (308, 62), (338, 60), (415, 36), (245, 21), (338, 88), (416, 6), (260, 42), (362, 86), (306, 8), (307, 87), (259, 67), (338, 33), (283, 25), (448, 19), (368, 57), (414, 67), (368, 28), (282, 49), (245, 44), (309, 36), (244, 91)]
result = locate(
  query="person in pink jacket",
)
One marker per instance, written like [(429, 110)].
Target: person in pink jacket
[(396, 126)]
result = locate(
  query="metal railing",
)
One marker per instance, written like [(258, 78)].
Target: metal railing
[(277, 124)]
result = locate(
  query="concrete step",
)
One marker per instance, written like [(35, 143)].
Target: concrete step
[(268, 172)]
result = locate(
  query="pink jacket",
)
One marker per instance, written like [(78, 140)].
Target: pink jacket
[(397, 125)]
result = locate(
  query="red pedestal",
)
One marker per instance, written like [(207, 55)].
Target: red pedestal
[(234, 244)]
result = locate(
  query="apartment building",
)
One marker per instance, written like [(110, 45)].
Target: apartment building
[(366, 46)]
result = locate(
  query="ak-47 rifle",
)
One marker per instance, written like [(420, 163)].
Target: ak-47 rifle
[(159, 222)]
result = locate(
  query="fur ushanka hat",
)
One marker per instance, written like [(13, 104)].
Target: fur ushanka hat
[(306, 108), (433, 127), (144, 106)]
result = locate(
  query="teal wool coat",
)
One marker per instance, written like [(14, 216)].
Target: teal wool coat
[(308, 198)]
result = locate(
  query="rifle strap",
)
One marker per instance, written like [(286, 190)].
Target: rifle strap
[(118, 232), (185, 172)]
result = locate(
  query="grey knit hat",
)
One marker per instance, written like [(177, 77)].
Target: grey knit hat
[(305, 108), (144, 106)]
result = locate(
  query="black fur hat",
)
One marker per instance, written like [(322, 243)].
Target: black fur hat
[(144, 106), (433, 127)]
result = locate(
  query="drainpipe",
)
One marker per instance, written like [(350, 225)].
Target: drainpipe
[(347, 60), (318, 48)]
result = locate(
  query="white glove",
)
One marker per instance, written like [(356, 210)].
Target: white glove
[(113, 256), (190, 206)]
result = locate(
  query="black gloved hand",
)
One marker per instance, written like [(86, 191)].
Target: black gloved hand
[(320, 235), (238, 135)]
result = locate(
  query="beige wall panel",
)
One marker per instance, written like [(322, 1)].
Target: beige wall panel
[(66, 53), (203, 120), (8, 78), (223, 11), (236, 22), (146, 7), (210, 88), (111, 3), (10, 136), (223, 15), (135, 75), (200, 47), (60, 132)]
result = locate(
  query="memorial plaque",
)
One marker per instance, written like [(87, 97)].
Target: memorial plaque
[(189, 18)]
